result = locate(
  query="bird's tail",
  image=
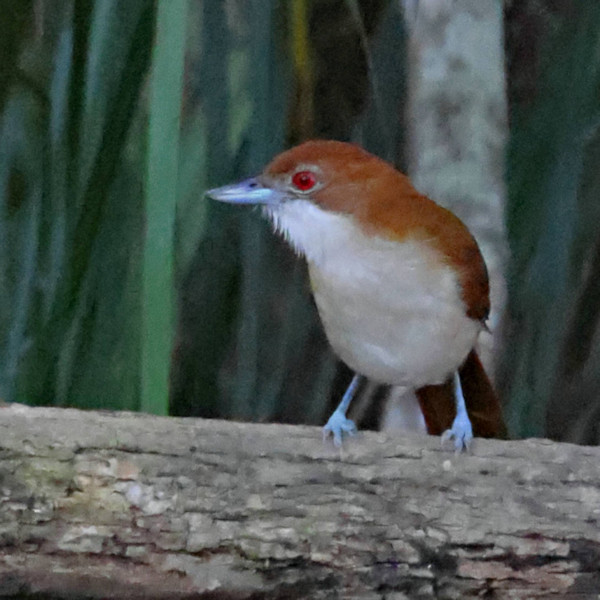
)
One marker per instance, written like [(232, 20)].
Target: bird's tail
[(438, 404)]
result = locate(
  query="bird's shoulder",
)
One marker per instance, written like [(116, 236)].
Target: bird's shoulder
[(414, 215)]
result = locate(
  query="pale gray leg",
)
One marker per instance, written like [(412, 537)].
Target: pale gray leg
[(338, 424), (461, 431)]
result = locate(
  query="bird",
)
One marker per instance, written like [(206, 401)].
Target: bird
[(399, 282)]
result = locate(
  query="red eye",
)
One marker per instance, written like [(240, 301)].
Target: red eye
[(304, 180)]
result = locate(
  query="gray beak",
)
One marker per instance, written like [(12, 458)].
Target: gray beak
[(249, 191)]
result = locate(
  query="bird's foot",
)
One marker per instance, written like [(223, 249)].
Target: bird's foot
[(337, 425), (461, 433)]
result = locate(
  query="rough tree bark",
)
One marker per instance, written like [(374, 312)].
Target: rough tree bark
[(101, 505)]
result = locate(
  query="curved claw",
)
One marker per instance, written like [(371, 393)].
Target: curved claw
[(337, 426), (462, 434)]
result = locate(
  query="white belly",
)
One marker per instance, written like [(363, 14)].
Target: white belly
[(406, 331), (391, 310)]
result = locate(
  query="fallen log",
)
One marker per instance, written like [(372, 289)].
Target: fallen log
[(124, 506)]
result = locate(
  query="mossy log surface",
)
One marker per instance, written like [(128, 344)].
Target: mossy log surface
[(120, 505)]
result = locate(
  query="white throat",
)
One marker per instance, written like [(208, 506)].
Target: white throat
[(312, 232)]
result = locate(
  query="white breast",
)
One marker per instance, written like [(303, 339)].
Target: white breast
[(391, 310)]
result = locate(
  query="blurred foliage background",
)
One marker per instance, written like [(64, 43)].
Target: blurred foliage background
[(122, 288)]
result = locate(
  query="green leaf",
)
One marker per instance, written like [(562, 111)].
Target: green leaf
[(166, 85)]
